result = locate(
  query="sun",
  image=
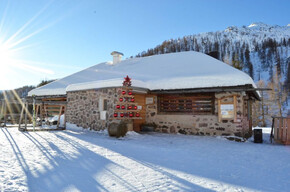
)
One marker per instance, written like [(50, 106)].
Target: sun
[(20, 43)]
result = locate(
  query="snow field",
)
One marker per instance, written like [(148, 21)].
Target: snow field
[(82, 160)]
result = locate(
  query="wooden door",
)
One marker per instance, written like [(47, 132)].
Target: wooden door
[(140, 100)]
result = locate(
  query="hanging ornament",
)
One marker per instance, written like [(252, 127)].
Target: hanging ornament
[(122, 115), (129, 107), (123, 92), (130, 93), (127, 81), (131, 115), (118, 106), (137, 114), (132, 99), (115, 114), (121, 99), (135, 107), (123, 107)]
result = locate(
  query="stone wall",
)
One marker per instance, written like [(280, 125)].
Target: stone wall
[(201, 124), (83, 110), (83, 107)]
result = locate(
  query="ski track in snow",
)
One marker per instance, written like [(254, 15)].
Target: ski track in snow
[(81, 160)]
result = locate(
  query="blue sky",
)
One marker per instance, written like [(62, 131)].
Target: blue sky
[(41, 39)]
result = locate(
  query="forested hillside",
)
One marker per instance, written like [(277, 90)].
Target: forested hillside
[(260, 50), (21, 92)]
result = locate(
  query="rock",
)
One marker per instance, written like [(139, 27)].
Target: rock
[(172, 129), (181, 131), (203, 125), (237, 139), (220, 128)]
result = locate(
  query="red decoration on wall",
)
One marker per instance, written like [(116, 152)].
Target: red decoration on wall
[(126, 108), (127, 82)]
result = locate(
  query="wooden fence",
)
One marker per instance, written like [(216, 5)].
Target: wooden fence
[(281, 130)]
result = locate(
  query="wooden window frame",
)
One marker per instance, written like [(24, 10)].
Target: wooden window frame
[(193, 104)]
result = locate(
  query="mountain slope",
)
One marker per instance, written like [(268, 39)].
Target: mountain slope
[(259, 49)]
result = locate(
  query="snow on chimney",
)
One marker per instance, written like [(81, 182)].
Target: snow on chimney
[(117, 57)]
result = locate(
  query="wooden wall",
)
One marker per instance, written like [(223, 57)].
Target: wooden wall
[(140, 100)]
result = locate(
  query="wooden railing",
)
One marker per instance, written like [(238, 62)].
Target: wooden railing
[(281, 130)]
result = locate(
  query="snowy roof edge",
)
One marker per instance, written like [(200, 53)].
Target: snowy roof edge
[(199, 80)]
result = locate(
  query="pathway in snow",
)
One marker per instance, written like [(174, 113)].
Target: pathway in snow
[(77, 160)]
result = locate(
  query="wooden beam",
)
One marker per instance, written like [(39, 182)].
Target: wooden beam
[(219, 111), (229, 96), (5, 114), (48, 97), (235, 108), (288, 131), (56, 106), (42, 114), (26, 111), (58, 121), (64, 120), (55, 99), (58, 103), (52, 110), (21, 116), (36, 113)]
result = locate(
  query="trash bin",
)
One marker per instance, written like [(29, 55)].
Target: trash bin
[(258, 136)]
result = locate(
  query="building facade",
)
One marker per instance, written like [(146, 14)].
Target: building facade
[(212, 113)]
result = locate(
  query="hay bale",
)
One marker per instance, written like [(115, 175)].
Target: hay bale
[(117, 130)]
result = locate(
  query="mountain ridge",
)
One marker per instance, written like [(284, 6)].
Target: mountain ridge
[(258, 41), (259, 49)]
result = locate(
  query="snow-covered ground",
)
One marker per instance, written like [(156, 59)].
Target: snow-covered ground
[(81, 160)]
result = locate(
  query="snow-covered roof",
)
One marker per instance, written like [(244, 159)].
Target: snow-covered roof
[(183, 70)]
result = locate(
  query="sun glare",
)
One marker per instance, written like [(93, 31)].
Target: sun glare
[(6, 57), (15, 67)]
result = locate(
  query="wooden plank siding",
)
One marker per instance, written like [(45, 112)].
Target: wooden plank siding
[(140, 99), (181, 103), (282, 130)]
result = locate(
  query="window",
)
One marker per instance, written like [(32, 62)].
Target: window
[(105, 106), (187, 103)]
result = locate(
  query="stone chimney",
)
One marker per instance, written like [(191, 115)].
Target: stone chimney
[(117, 57)]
